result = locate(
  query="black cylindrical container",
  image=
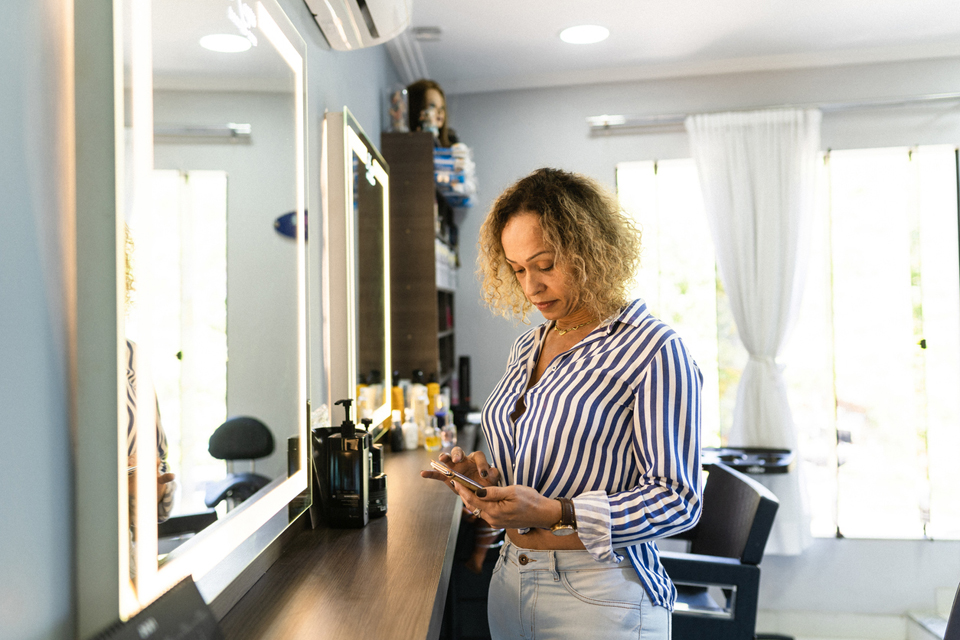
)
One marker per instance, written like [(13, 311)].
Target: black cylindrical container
[(378, 483)]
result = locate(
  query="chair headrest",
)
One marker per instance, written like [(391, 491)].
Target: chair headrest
[(241, 438), (738, 514)]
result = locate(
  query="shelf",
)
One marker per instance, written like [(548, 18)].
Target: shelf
[(423, 264)]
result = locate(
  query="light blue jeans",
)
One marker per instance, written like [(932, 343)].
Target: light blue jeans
[(541, 595)]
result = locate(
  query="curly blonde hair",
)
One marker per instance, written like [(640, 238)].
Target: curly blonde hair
[(596, 245), (128, 267)]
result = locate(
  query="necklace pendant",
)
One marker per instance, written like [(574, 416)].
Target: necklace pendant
[(569, 329)]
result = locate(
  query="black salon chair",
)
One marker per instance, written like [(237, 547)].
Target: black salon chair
[(952, 632), (718, 580), (240, 438)]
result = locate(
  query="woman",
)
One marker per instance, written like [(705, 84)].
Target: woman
[(165, 479), (594, 429)]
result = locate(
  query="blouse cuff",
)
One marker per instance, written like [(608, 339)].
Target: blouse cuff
[(593, 525)]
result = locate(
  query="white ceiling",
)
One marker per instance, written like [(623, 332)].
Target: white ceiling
[(489, 45), (180, 62)]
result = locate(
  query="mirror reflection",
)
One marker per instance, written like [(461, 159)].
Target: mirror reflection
[(214, 315), (368, 177)]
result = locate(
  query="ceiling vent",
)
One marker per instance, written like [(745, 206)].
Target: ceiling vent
[(426, 34), (355, 24)]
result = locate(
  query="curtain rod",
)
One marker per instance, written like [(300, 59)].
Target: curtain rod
[(672, 123)]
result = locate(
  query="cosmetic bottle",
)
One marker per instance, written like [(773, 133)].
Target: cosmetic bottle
[(396, 432), (420, 414), (397, 402), (419, 403), (417, 384), (411, 434), (445, 426), (431, 435), (373, 394), (349, 474), (433, 389), (404, 384)]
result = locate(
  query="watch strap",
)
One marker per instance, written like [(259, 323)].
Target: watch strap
[(568, 516)]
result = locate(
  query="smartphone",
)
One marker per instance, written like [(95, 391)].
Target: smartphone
[(453, 475)]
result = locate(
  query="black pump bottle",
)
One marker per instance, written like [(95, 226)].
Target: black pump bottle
[(349, 474)]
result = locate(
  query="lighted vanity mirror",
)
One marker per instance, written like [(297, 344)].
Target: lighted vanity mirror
[(357, 270), (216, 321)]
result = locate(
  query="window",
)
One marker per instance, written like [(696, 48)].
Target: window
[(873, 364), (182, 306)]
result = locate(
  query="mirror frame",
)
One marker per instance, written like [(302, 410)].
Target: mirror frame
[(216, 556), (342, 137)]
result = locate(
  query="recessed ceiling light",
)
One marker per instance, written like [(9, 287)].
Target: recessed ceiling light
[(225, 43), (584, 34)]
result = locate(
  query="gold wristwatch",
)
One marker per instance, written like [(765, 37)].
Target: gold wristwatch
[(568, 519)]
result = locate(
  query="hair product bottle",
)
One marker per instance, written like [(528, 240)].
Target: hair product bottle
[(349, 468), (433, 389), (396, 396)]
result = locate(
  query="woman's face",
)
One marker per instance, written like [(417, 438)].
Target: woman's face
[(545, 284), (433, 98)]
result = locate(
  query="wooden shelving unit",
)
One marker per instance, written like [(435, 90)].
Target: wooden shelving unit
[(422, 287)]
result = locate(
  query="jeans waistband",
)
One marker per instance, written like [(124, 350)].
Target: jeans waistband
[(558, 560)]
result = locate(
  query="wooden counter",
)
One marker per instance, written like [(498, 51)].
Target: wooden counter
[(387, 580)]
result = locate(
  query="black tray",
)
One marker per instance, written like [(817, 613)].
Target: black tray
[(752, 460)]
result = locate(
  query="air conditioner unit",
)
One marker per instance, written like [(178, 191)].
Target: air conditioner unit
[(355, 24)]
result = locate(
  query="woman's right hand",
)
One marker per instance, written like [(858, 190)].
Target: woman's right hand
[(474, 466)]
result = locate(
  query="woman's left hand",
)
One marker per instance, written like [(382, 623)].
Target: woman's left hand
[(163, 479), (512, 507)]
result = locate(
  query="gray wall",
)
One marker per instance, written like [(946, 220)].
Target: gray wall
[(514, 132), (35, 201), (36, 519), (261, 307)]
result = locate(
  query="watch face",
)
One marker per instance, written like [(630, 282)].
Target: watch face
[(563, 530)]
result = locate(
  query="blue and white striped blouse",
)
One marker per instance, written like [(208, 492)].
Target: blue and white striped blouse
[(165, 502), (613, 423)]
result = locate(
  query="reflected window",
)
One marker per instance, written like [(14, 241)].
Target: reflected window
[(186, 315)]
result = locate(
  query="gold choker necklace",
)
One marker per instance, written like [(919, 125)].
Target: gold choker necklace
[(560, 331)]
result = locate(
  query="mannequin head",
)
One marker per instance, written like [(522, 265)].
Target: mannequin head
[(427, 96)]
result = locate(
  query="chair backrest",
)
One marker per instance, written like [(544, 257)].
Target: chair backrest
[(241, 438), (737, 516), (952, 631)]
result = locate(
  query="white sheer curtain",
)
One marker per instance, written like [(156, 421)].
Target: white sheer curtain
[(757, 172)]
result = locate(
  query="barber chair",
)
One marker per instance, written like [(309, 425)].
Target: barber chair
[(718, 580), (240, 438), (952, 632)]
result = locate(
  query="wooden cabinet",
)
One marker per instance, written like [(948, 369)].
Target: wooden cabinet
[(422, 260)]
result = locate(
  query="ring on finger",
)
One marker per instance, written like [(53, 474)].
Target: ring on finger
[(476, 512)]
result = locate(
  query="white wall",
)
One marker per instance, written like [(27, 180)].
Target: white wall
[(36, 466), (261, 264), (515, 132), (36, 502)]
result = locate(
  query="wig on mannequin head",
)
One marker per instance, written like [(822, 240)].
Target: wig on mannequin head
[(417, 96)]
